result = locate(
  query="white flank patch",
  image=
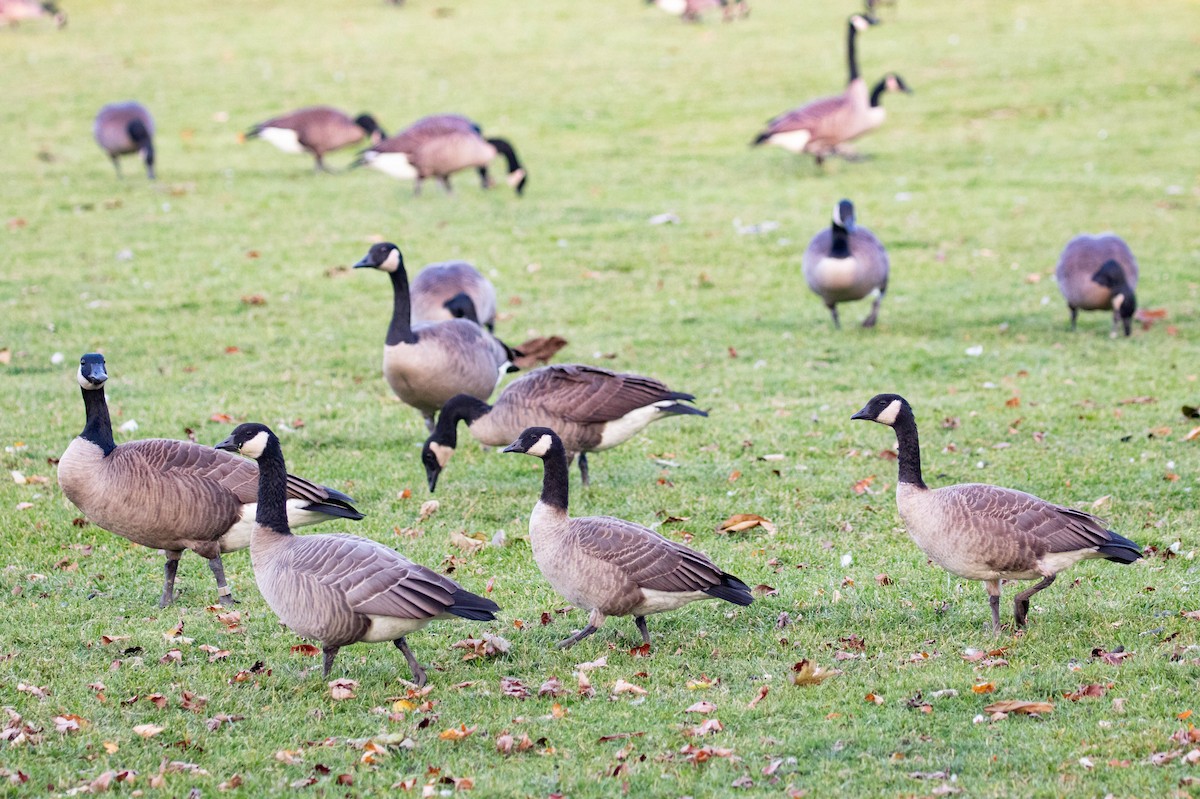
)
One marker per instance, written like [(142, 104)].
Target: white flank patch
[(672, 6), (395, 165), (283, 138), (1117, 301), (890, 413), (238, 536), (662, 601), (389, 628), (794, 141), (620, 430), (835, 274), (1054, 562)]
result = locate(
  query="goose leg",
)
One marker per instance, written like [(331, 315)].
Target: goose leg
[(833, 312), (1021, 604), (874, 315), (583, 467), (640, 621), (116, 165), (172, 566), (445, 181), (224, 595), (330, 652), (1074, 317), (430, 425), (320, 163), (993, 589), (418, 673), (484, 179), (417, 187), (567, 643)]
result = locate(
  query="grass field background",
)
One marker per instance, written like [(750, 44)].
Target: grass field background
[(1030, 123)]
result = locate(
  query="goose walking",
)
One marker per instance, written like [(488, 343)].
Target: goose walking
[(1097, 273), (985, 532), (592, 409), (124, 129), (317, 130), (608, 566), (174, 495), (846, 262), (335, 588)]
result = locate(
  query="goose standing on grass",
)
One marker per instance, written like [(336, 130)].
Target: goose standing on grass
[(691, 10), (439, 292), (609, 566), (340, 589), (174, 495), (1096, 273), (438, 146), (123, 129), (846, 262), (14, 12), (984, 532), (317, 130), (592, 409), (427, 364)]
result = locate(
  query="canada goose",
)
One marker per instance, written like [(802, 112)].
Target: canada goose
[(984, 532), (124, 128), (439, 289), (14, 12), (846, 262), (609, 566), (428, 363), (340, 589), (174, 495), (438, 146), (317, 129), (1098, 272), (690, 10), (592, 408)]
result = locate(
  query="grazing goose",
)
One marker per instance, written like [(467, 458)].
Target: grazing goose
[(1099, 272), (592, 408), (340, 589), (125, 128), (596, 409), (14, 12), (438, 146), (984, 532), (317, 129), (690, 10), (846, 262), (609, 566), (174, 495), (429, 363), (438, 292)]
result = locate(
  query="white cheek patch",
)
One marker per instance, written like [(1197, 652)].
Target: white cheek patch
[(889, 414), (392, 262), (255, 446), (541, 447), (860, 24), (1117, 301), (84, 383), (441, 452), (515, 177)]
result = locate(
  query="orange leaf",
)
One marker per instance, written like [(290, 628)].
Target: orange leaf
[(745, 521), (1019, 706), (983, 687)]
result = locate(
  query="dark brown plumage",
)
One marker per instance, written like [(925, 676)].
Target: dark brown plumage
[(123, 129), (317, 130)]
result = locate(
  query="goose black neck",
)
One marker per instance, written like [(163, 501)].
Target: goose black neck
[(839, 247), (909, 448), (554, 477), (272, 489), (851, 52), (510, 155), (877, 93), (98, 427), (461, 407), (400, 330)]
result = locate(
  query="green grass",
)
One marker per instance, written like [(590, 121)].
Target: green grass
[(976, 182)]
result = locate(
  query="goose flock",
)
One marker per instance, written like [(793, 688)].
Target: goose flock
[(442, 357)]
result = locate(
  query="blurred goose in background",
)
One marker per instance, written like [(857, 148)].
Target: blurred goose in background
[(123, 129), (592, 409), (691, 10), (340, 589), (1096, 273), (438, 146), (846, 262), (175, 495), (453, 290), (608, 566), (14, 12), (984, 532), (317, 129)]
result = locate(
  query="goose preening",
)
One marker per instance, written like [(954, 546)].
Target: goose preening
[(592, 409), (335, 588), (846, 262), (438, 146), (317, 130), (14, 12), (1097, 273), (691, 10), (609, 566), (441, 291), (985, 532), (123, 129), (174, 495), (426, 364)]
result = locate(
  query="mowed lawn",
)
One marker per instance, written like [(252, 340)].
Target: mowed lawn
[(222, 292)]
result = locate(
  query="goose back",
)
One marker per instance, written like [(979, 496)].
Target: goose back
[(111, 127), (318, 129), (1082, 258), (437, 283)]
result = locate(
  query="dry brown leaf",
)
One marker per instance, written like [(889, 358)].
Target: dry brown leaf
[(468, 544), (739, 522), (1092, 690), (457, 733), (148, 730), (703, 706), (1019, 706), (623, 687), (864, 484), (342, 689), (69, 722), (307, 650), (511, 686), (760, 696), (704, 728), (983, 687), (805, 672)]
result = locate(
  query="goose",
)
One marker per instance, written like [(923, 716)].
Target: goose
[(427, 364), (317, 129), (608, 566), (690, 10), (592, 409), (440, 291), (846, 262), (14, 12), (174, 495), (125, 128), (438, 146), (1099, 272), (336, 588), (985, 532)]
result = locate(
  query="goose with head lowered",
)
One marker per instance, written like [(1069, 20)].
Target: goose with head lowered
[(441, 291), (335, 588), (123, 129), (846, 262), (14, 12), (427, 364), (608, 566), (590, 408), (317, 130), (1096, 273), (174, 495), (988, 533)]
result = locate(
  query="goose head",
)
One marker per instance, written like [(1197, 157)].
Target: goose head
[(435, 455), (249, 439), (535, 441), (894, 83), (374, 133), (843, 216), (92, 373), (1124, 301), (860, 22), (884, 409), (384, 256)]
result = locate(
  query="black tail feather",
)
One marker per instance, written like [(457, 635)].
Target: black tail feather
[(680, 408), (762, 137), (336, 509), (473, 606), (1120, 549), (732, 590)]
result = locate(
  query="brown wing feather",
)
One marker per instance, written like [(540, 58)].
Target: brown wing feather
[(588, 394), (813, 116), (645, 557), (1042, 526)]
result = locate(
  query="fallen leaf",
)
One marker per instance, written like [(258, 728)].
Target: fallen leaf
[(704, 728), (1093, 690), (342, 689), (623, 687), (745, 521), (511, 686), (864, 484), (457, 733), (874, 699), (148, 730), (760, 696), (703, 706), (69, 722), (983, 687), (552, 687), (1019, 706), (307, 650), (808, 673), (468, 544)]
